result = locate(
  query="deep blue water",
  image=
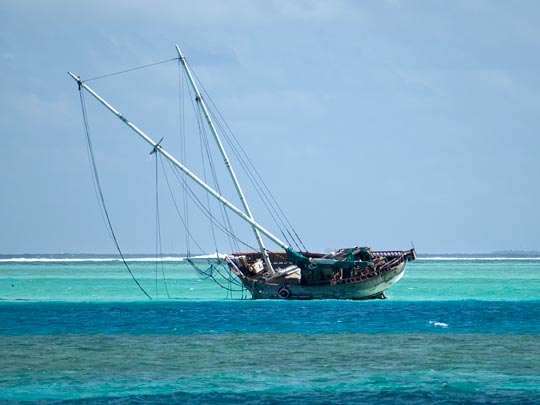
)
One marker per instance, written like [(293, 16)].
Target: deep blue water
[(247, 316), (451, 332), (271, 352)]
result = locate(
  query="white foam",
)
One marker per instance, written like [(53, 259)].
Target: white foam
[(210, 256), (86, 259), (440, 324), (221, 256)]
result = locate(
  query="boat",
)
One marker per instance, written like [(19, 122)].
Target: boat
[(354, 273)]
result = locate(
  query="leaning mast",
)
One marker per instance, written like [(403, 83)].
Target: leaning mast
[(202, 105), (175, 162)]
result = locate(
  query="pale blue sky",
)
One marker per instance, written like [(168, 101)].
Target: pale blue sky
[(375, 123)]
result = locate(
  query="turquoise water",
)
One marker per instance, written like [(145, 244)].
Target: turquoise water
[(425, 280), (453, 331)]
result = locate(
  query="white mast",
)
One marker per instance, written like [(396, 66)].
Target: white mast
[(184, 169), (204, 109)]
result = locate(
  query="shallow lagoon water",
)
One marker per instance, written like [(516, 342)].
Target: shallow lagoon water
[(424, 280), (451, 331)]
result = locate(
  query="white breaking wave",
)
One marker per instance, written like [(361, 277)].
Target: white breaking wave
[(210, 256), (86, 259), (221, 256), (441, 324)]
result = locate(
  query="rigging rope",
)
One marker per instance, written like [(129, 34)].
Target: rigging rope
[(227, 229), (260, 186), (182, 129), (158, 234), (203, 209), (205, 147), (264, 192), (99, 191), (201, 132), (209, 273), (131, 70), (189, 235), (205, 151)]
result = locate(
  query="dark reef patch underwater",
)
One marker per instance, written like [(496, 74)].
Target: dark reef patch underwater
[(406, 396)]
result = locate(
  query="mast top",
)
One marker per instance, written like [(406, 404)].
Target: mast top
[(180, 54)]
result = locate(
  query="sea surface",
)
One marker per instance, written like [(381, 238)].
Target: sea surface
[(79, 330)]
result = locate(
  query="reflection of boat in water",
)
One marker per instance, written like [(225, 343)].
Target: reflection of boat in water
[(350, 273)]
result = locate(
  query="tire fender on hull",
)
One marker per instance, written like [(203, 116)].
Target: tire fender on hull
[(284, 292)]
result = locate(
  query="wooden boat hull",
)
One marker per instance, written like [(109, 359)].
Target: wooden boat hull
[(371, 288), (329, 279)]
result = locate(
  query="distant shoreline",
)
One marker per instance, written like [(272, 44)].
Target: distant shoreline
[(504, 253)]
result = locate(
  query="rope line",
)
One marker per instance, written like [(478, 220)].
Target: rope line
[(248, 163), (182, 130), (178, 210), (101, 198), (210, 274), (158, 235), (130, 70), (177, 173), (205, 151)]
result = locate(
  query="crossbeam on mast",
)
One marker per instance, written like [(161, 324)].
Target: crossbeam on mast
[(175, 162)]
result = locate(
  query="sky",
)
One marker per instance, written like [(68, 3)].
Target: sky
[(376, 123)]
